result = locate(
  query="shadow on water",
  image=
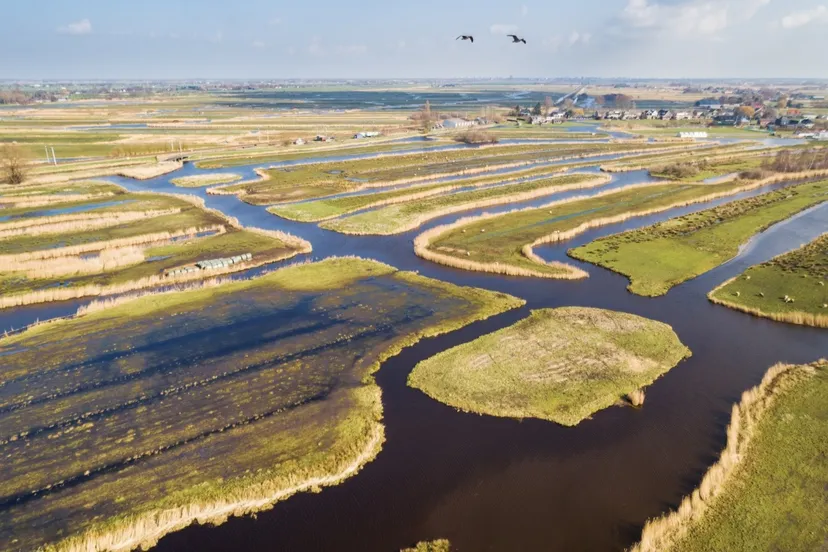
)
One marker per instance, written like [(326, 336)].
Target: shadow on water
[(492, 484)]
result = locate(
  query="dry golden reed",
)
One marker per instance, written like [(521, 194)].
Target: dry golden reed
[(660, 534), (76, 223)]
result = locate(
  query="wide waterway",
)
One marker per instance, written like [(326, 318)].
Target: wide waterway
[(504, 485)]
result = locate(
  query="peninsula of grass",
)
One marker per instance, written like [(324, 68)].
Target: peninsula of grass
[(503, 243), (317, 180), (121, 243), (140, 417), (561, 365), (790, 288), (328, 208), (767, 491), (663, 255), (401, 217), (202, 180)]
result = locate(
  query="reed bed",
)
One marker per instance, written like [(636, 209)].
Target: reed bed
[(800, 318), (8, 262), (82, 223), (108, 260), (422, 218), (302, 246), (199, 202), (103, 304), (146, 172), (660, 534), (93, 290), (44, 200), (617, 167)]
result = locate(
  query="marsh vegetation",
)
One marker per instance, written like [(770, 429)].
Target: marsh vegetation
[(127, 426), (562, 365)]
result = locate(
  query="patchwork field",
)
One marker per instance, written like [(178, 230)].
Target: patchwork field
[(767, 491), (503, 243), (119, 426), (397, 218), (311, 181), (561, 365), (790, 288), (666, 254), (91, 238)]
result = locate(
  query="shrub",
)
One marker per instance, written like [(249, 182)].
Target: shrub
[(476, 136)]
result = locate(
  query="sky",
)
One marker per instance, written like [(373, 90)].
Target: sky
[(279, 39)]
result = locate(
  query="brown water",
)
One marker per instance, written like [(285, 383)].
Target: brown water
[(492, 484)]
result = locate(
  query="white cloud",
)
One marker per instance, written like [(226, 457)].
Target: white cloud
[(82, 27), (524, 10), (575, 37), (503, 29), (752, 7), (805, 17), (258, 44), (689, 19)]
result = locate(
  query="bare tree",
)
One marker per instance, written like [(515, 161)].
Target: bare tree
[(548, 104), (13, 164)]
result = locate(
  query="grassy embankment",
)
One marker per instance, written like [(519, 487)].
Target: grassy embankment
[(318, 180), (767, 491), (666, 254), (503, 243), (113, 454), (561, 365), (710, 153), (401, 217), (117, 243), (201, 180), (799, 275)]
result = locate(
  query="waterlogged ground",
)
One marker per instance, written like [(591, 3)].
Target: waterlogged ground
[(199, 396)]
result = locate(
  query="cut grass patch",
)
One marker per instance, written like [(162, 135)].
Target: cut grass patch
[(561, 365), (201, 180)]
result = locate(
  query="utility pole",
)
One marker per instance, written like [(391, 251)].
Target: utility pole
[(53, 155), (47, 154)]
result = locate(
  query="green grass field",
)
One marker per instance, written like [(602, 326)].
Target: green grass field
[(666, 254), (393, 219), (800, 275), (561, 365), (501, 238)]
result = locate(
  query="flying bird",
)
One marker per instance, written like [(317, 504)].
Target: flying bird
[(465, 37), (515, 39)]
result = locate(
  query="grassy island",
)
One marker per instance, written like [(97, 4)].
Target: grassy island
[(201, 180), (140, 417), (74, 240), (666, 254), (561, 365), (503, 243), (767, 491), (790, 288), (394, 219)]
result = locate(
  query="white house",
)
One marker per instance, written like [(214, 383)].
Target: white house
[(695, 134)]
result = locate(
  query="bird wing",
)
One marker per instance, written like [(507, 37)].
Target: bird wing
[(514, 37), (471, 38), (459, 37), (523, 40)]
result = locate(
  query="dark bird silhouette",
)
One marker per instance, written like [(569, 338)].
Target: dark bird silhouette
[(515, 39), (465, 37)]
